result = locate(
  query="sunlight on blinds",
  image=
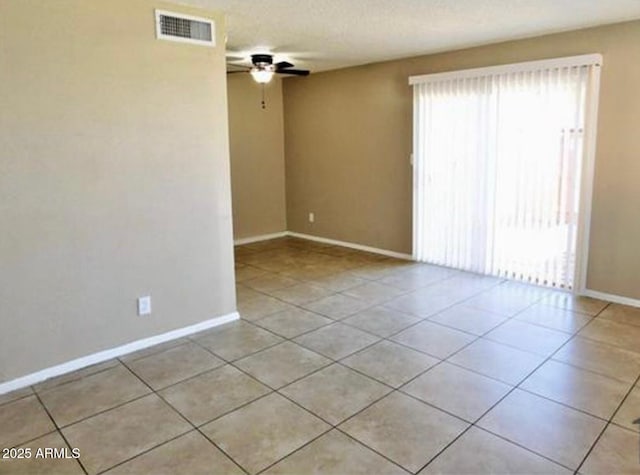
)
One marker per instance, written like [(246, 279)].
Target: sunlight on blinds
[(498, 164)]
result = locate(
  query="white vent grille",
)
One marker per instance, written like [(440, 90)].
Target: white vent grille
[(185, 28)]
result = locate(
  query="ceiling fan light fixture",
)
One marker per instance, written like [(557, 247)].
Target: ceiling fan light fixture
[(261, 75)]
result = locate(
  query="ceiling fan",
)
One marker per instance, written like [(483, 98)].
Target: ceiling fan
[(263, 68)]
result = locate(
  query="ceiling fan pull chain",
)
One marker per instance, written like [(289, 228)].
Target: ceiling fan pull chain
[(263, 103)]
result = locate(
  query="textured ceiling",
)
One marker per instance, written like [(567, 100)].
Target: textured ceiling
[(329, 34)]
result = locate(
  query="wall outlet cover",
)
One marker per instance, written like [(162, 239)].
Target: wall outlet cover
[(144, 305)]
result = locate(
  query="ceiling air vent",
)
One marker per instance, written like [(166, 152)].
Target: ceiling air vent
[(185, 28)]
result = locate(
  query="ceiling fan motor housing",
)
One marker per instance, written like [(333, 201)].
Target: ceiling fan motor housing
[(261, 59)]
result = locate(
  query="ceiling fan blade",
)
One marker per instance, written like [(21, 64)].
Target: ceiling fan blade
[(283, 65), (294, 72)]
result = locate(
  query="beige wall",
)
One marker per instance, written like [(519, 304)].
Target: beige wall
[(257, 157), (114, 180), (348, 138)]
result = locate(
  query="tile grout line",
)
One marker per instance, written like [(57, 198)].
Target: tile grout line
[(193, 426), (405, 292), (511, 391), (146, 451), (513, 387), (606, 426), (332, 426), (476, 338), (152, 392), (309, 442), (313, 414), (33, 439), (508, 318), (368, 405), (342, 431), (388, 339), (135, 398), (369, 280), (19, 398), (60, 433), (333, 361), (73, 380)]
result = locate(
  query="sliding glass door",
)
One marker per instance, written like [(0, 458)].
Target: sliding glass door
[(500, 168)]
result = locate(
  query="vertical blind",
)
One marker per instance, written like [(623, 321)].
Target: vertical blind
[(498, 166)]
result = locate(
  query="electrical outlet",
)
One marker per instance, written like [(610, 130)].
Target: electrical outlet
[(144, 305), (312, 217)]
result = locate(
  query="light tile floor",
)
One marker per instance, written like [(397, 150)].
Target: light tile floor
[(347, 362)]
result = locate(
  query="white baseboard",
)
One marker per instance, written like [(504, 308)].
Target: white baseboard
[(262, 237), (611, 298), (351, 245), (105, 355), (335, 242)]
